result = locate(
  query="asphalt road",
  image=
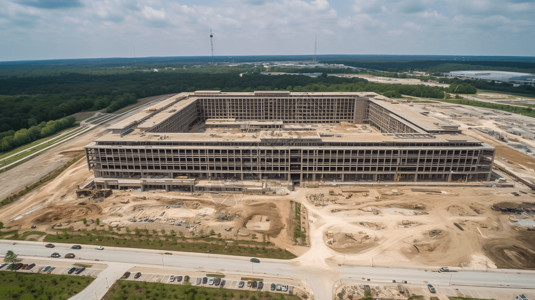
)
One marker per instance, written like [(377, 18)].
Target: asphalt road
[(317, 277)]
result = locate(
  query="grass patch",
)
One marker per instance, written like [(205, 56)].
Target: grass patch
[(83, 265), (216, 275), (298, 234), (149, 290), (143, 239), (251, 278), (40, 286), (26, 154), (47, 178), (525, 111)]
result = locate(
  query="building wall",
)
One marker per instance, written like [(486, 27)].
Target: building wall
[(302, 109), (409, 163)]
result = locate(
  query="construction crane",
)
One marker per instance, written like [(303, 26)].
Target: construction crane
[(315, 49), (212, 44)]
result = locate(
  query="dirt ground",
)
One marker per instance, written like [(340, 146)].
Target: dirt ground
[(361, 225)]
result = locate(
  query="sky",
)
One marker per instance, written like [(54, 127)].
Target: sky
[(56, 29)]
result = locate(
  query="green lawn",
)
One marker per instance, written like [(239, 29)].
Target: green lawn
[(40, 286), (148, 290), (146, 240)]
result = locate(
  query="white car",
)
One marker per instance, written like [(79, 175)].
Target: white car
[(99, 248)]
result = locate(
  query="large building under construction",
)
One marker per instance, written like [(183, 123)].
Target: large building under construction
[(295, 138)]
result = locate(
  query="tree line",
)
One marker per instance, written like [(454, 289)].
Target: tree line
[(12, 139)]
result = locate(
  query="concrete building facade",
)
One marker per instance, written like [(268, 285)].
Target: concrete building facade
[(297, 138)]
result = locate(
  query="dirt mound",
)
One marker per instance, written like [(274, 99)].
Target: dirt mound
[(511, 253), (68, 212), (268, 211), (432, 241), (457, 210), (349, 242)]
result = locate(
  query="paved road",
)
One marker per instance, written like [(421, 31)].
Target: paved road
[(316, 277)]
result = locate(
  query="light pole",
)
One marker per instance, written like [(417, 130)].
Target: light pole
[(107, 284), (163, 266)]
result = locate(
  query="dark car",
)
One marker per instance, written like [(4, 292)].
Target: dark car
[(125, 275), (217, 281), (70, 255), (223, 282), (431, 288), (18, 266), (241, 284), (30, 266), (77, 247), (260, 285), (138, 274), (80, 270), (178, 278), (186, 278), (55, 255), (50, 245), (255, 260), (254, 284), (204, 280), (272, 287), (71, 270), (45, 269)]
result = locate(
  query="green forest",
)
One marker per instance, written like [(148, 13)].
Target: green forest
[(36, 97), (28, 104)]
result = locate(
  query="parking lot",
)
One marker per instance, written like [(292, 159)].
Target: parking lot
[(58, 268), (215, 281)]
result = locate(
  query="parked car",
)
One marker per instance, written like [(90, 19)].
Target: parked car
[(254, 284), (99, 248), (186, 278), (44, 269), (30, 266), (211, 281), (178, 278), (71, 270), (80, 270), (204, 280), (241, 284), (249, 283), (55, 255), (217, 281), (172, 278), (125, 275), (199, 280), (431, 288), (50, 245), (3, 265), (138, 274), (260, 285), (18, 266), (272, 287), (279, 287), (51, 269), (255, 260), (223, 282), (70, 255), (284, 288), (77, 247)]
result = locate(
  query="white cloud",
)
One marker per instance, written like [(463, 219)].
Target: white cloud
[(100, 28)]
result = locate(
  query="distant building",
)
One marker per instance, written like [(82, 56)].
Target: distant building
[(501, 76), (295, 138)]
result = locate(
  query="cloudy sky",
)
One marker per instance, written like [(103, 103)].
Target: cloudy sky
[(47, 29)]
